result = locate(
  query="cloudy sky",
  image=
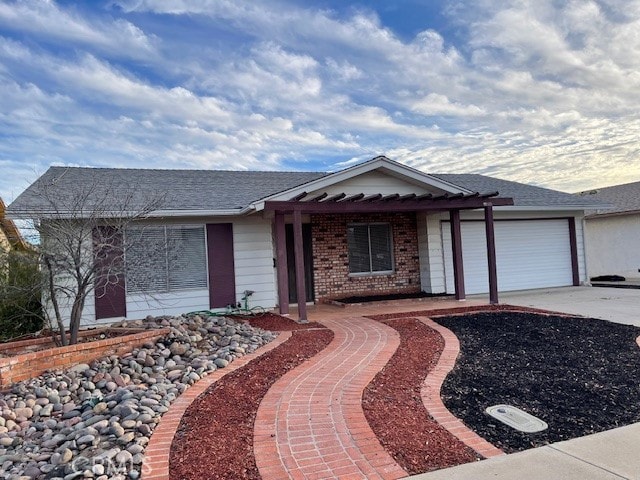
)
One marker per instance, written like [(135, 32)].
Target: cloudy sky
[(537, 91)]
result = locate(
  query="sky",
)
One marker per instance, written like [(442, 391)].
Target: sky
[(537, 91)]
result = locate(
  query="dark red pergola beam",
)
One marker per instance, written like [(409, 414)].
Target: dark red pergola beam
[(413, 205), (359, 203)]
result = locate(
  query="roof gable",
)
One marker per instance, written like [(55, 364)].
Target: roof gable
[(378, 175)]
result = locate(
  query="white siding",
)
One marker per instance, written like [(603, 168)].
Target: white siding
[(254, 270), (253, 256), (173, 303), (374, 182), (430, 252), (613, 245)]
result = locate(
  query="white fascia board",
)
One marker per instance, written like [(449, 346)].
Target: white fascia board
[(377, 163), (202, 213), (516, 208), (155, 214)]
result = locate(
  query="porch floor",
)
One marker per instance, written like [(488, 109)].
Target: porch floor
[(320, 312)]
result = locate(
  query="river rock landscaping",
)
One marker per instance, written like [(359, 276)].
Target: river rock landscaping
[(579, 375), (94, 420)]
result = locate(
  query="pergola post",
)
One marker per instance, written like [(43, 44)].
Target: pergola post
[(281, 264), (299, 256), (456, 244), (491, 253)]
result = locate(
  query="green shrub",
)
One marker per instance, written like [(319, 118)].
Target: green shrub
[(20, 292)]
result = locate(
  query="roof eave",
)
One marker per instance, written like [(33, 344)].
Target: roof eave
[(234, 212), (612, 214), (545, 208)]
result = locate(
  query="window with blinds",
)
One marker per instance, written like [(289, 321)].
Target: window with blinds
[(370, 248), (162, 259)]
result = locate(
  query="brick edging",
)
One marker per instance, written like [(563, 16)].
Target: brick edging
[(156, 455), (29, 365), (430, 393)]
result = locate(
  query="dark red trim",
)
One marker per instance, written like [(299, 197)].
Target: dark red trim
[(299, 256), (222, 277), (456, 244), (491, 254), (384, 206), (519, 219), (281, 264), (573, 242), (110, 293)]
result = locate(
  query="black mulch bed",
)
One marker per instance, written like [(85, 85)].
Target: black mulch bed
[(390, 296), (580, 375)]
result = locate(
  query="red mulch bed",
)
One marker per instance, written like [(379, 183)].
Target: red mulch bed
[(215, 437), (277, 323), (394, 409)]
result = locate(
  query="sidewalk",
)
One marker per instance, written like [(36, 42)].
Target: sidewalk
[(610, 455)]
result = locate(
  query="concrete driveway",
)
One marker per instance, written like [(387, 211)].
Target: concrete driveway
[(616, 304)]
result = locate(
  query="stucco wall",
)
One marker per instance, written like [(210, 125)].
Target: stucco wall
[(613, 245)]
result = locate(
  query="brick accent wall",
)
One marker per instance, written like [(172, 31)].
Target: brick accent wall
[(331, 257), (28, 365)]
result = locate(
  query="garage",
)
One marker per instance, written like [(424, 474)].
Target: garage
[(529, 254)]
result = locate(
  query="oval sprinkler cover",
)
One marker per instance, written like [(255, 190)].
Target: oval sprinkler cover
[(516, 418)]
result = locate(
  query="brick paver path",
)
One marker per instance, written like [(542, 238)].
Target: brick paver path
[(310, 425)]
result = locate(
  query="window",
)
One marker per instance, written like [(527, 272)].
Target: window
[(370, 248), (165, 259)]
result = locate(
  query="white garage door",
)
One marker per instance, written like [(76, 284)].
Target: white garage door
[(530, 254)]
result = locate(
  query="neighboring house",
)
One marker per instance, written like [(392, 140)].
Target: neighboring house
[(375, 228), (10, 237), (613, 234)]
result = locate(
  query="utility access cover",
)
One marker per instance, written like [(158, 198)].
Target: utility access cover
[(516, 418)]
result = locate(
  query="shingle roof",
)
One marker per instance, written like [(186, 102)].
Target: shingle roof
[(220, 190), (623, 198), (180, 189), (523, 195)]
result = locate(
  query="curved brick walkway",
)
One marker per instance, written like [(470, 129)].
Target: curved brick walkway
[(310, 425)]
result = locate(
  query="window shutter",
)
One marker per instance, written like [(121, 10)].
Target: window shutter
[(222, 278), (109, 289)]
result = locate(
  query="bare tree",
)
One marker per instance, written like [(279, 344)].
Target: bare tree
[(81, 232)]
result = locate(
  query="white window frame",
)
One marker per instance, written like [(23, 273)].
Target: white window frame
[(391, 253), (168, 289)]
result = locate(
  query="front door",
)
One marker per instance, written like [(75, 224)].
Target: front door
[(308, 262)]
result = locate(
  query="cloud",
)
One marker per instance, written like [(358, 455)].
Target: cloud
[(45, 19), (539, 91)]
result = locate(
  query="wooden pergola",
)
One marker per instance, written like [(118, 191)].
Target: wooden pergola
[(378, 203)]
